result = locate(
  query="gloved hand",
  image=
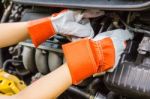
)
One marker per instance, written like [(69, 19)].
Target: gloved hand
[(67, 22), (87, 57)]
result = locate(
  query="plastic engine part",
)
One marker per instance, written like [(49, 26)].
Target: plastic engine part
[(130, 79)]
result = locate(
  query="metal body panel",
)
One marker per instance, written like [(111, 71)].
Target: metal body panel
[(133, 5)]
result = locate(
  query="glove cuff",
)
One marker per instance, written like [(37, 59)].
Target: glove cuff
[(108, 52), (40, 30), (86, 57)]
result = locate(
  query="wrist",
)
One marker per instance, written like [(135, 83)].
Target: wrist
[(40, 30)]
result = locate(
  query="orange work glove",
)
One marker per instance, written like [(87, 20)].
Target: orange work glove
[(67, 22), (87, 57)]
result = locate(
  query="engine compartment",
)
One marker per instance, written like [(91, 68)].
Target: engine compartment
[(130, 78)]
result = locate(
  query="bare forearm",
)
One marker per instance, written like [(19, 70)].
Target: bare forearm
[(50, 86), (8, 97), (12, 33)]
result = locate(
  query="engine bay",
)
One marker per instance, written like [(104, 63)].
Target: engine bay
[(128, 81)]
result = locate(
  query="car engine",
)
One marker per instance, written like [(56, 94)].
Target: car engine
[(130, 79)]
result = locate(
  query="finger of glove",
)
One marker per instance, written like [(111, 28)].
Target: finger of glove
[(76, 29), (121, 34)]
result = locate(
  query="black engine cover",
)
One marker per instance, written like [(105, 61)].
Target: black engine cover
[(130, 79)]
